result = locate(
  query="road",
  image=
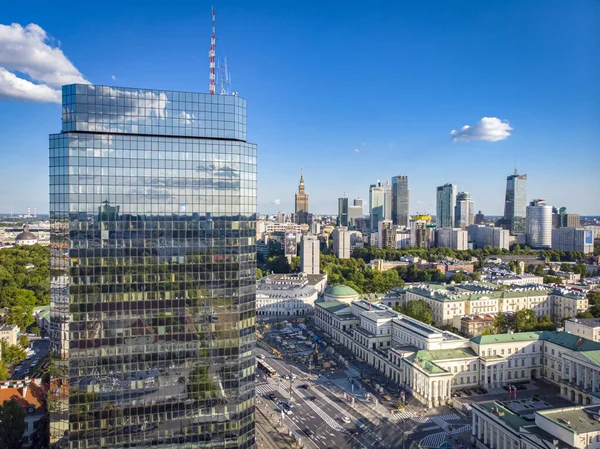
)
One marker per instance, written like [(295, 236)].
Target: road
[(42, 349), (324, 415)]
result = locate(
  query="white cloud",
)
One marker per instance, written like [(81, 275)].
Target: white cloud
[(30, 51), (490, 129), (113, 77), (277, 202), (14, 88), (356, 150)]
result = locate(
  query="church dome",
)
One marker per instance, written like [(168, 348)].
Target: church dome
[(26, 237)]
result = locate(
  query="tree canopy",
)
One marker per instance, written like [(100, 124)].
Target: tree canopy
[(12, 425), (417, 309)]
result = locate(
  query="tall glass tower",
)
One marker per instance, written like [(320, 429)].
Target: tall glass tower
[(400, 198), (445, 205), (515, 203), (152, 203)]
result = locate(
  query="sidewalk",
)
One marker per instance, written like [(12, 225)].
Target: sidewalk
[(268, 436)]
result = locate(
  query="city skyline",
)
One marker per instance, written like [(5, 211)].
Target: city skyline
[(531, 105)]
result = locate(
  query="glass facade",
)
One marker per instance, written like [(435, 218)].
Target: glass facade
[(153, 259), (445, 206), (515, 203), (400, 199)]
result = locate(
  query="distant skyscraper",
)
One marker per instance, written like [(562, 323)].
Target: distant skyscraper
[(479, 218), (301, 197), (280, 217), (153, 270), (341, 242), (355, 212), (539, 224), (342, 212), (446, 202), (400, 201), (515, 203), (310, 254), (464, 210), (387, 200), (376, 204)]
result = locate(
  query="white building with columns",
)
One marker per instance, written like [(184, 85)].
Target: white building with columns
[(509, 425), (431, 363)]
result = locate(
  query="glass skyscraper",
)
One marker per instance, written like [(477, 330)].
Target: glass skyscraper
[(400, 198), (153, 259), (515, 203), (445, 206)]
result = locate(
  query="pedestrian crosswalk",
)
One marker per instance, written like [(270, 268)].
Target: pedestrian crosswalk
[(435, 440), (325, 417), (449, 416), (352, 372), (265, 388)]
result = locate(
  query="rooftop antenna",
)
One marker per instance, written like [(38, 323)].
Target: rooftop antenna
[(225, 77), (211, 56), (516, 172)]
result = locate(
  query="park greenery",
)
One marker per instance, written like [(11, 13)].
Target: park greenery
[(24, 282)]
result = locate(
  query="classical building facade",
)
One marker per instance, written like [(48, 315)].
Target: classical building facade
[(288, 295), (431, 363)]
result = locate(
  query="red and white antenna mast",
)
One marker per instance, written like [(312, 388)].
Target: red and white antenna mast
[(211, 56)]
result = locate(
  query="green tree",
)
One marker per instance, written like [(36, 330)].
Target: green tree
[(548, 279), (278, 264), (295, 264), (12, 354), (525, 320), (500, 323), (22, 316), (24, 341), (259, 273), (12, 425), (584, 315), (539, 270), (200, 386), (459, 277), (419, 310), (487, 331), (4, 373)]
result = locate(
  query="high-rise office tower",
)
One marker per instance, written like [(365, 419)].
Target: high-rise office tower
[(387, 200), (464, 212), (400, 201), (354, 212), (515, 203), (153, 210), (310, 254), (446, 202), (539, 224), (342, 219), (376, 204)]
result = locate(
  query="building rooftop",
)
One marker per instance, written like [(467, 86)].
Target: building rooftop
[(575, 419), (564, 339), (507, 338), (513, 420), (375, 315), (332, 306), (445, 354)]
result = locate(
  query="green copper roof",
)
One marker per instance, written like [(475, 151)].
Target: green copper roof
[(507, 338), (510, 418), (445, 354), (341, 291), (332, 306)]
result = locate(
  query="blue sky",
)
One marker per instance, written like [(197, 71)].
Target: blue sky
[(325, 79)]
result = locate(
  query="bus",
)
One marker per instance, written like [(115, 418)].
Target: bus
[(264, 366)]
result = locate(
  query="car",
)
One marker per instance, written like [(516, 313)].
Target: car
[(289, 404), (355, 432), (286, 377), (262, 356), (272, 396), (346, 419), (308, 432), (304, 386), (311, 398), (483, 390), (467, 392)]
